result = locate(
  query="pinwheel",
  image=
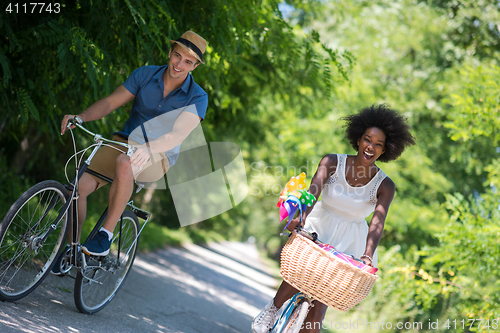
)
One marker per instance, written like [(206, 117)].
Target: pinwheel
[(295, 183), (294, 197)]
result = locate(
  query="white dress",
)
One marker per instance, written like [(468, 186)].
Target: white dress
[(339, 218)]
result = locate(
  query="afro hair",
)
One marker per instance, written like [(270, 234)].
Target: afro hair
[(394, 126)]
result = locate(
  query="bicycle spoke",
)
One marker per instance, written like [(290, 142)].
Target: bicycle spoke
[(17, 242), (97, 286), (29, 244), (17, 270)]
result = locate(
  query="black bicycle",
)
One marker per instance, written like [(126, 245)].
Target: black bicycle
[(34, 232)]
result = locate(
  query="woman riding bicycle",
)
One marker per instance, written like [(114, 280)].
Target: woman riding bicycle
[(352, 187)]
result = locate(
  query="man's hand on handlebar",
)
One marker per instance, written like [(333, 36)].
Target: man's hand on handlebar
[(65, 122), (139, 159)]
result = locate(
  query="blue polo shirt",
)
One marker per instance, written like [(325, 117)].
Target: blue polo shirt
[(152, 115)]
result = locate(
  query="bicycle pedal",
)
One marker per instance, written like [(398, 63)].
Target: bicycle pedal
[(142, 214), (92, 256)]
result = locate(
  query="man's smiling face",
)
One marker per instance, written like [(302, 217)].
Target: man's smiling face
[(181, 62)]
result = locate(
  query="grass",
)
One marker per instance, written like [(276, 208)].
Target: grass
[(66, 290), (155, 237)]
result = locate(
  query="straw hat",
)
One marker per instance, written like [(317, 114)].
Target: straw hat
[(193, 43)]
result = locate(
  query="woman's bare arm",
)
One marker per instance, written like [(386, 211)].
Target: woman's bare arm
[(385, 195), (326, 168)]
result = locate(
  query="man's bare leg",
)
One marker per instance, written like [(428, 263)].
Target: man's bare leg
[(120, 192), (86, 186)]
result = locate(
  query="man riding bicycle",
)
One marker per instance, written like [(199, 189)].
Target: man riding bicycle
[(157, 91)]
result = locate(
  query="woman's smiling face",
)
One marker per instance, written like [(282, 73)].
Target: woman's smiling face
[(371, 144)]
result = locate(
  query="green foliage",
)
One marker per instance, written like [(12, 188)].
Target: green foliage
[(474, 117), (475, 110), (468, 254), (436, 61), (60, 64), (279, 78), (470, 241), (473, 28)]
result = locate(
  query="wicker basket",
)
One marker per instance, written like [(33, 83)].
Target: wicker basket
[(315, 272)]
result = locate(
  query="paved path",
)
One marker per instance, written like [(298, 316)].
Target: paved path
[(217, 288)]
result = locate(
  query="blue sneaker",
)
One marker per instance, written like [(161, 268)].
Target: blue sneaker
[(56, 269), (97, 246)]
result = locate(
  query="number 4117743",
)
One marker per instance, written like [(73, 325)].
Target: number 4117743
[(33, 8)]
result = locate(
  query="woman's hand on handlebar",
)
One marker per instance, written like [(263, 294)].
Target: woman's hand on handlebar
[(367, 260), (294, 224)]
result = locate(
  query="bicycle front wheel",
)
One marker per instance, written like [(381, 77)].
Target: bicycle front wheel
[(296, 319), (31, 236), (97, 284)]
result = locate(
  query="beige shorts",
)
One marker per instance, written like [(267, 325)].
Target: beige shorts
[(104, 162)]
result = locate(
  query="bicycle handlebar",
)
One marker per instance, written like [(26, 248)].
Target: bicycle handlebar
[(310, 235), (98, 137)]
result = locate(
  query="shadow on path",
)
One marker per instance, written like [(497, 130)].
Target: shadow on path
[(216, 288)]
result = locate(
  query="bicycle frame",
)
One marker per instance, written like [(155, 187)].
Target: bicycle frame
[(71, 206), (292, 304)]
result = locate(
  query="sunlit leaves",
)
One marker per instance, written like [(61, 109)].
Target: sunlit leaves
[(475, 104)]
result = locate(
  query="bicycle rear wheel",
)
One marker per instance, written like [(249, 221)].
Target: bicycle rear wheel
[(96, 285), (31, 238), (294, 322)]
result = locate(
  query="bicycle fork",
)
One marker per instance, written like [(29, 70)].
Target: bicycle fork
[(294, 302)]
